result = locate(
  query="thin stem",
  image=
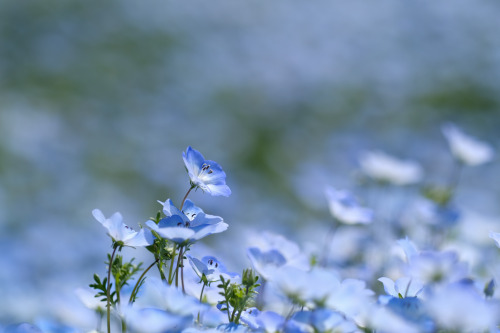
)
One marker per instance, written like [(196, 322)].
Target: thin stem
[(108, 306), (124, 325), (202, 289), (172, 259), (185, 197), (201, 298), (455, 177), (232, 315), (326, 248), (177, 267), (182, 275), (160, 267), (134, 291)]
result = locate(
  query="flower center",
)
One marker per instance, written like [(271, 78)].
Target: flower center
[(205, 169)]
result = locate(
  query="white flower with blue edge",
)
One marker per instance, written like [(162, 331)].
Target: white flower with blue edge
[(205, 174), (346, 209), (122, 233), (382, 167), (465, 148)]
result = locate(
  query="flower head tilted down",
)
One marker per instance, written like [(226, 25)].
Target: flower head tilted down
[(204, 174), (186, 226)]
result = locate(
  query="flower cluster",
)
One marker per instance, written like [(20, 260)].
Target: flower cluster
[(367, 275)]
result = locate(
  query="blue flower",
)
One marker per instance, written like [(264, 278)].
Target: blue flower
[(186, 226), (205, 174), (346, 209), (211, 267), (120, 232)]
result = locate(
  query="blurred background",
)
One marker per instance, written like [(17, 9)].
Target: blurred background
[(98, 100)]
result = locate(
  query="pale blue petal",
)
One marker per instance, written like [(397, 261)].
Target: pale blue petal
[(98, 215), (210, 229), (216, 190), (177, 235), (193, 160), (140, 239), (389, 286)]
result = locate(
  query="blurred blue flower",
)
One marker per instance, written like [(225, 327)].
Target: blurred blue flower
[(205, 174), (122, 233), (346, 209), (186, 226), (465, 148)]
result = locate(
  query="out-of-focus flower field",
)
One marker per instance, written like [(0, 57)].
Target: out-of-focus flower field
[(359, 142)]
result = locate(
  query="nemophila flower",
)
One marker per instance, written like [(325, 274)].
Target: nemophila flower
[(305, 287), (384, 168), (270, 322), (320, 320), (186, 226), (460, 308), (465, 148), (205, 174), (211, 267), (351, 297), (346, 209), (437, 267), (153, 320), (401, 288), (382, 319), (158, 294), (121, 233), (270, 251), (409, 248)]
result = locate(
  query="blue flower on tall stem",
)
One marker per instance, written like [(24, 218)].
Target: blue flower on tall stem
[(186, 226), (205, 174)]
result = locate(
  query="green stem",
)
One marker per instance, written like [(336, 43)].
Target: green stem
[(108, 305), (185, 197), (202, 289), (232, 315), (179, 259), (124, 326), (172, 259), (135, 290), (201, 298)]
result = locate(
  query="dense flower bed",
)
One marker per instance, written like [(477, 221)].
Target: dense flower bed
[(393, 286)]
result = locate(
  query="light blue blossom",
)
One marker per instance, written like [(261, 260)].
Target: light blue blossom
[(205, 174), (186, 226), (459, 307), (465, 148), (402, 287), (120, 232), (322, 320), (211, 267), (270, 251), (384, 168), (346, 209), (153, 320), (437, 267)]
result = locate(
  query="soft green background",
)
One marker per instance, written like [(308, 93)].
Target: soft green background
[(98, 99)]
